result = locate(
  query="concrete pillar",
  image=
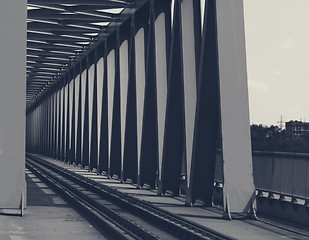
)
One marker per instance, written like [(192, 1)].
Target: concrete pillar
[(13, 19)]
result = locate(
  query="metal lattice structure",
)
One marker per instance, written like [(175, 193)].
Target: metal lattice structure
[(145, 97), (61, 32)]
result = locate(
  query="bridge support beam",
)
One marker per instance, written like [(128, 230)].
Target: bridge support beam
[(222, 109), (155, 107), (12, 105), (238, 190)]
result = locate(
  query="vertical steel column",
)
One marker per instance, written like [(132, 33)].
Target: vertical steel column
[(73, 120), (31, 121), (90, 100), (130, 142), (37, 135), (59, 120), (32, 130), (52, 122), (162, 40), (124, 80), (191, 37), (41, 120), (43, 124), (39, 130), (111, 70), (56, 122), (85, 140), (94, 118), (149, 146), (63, 129), (37, 143), (104, 123), (140, 43), (35, 131), (79, 117), (67, 139), (191, 47), (65, 116), (70, 153), (170, 172), (238, 188), (115, 151), (48, 122), (207, 116), (99, 82)]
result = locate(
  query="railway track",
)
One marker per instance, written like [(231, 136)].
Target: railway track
[(114, 213)]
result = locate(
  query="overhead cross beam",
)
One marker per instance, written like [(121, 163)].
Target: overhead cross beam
[(106, 3), (64, 31)]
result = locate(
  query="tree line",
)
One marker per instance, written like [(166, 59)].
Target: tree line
[(272, 138)]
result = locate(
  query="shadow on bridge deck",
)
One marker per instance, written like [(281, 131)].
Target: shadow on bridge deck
[(239, 227), (47, 216)]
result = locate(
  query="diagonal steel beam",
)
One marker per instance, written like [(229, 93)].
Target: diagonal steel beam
[(38, 36), (53, 47), (107, 3), (49, 54), (47, 27)]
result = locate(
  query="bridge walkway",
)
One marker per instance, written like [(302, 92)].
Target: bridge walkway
[(47, 216)]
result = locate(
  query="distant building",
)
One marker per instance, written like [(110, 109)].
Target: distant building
[(295, 129)]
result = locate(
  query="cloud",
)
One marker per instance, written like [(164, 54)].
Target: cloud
[(288, 43), (278, 73), (257, 86)]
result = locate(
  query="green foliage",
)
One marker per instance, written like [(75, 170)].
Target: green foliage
[(274, 139)]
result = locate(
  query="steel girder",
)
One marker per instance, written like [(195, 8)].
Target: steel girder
[(148, 94), (62, 32)]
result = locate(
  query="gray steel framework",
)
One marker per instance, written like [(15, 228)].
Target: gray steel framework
[(150, 96), (60, 33)]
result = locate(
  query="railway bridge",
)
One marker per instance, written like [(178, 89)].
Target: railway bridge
[(140, 105)]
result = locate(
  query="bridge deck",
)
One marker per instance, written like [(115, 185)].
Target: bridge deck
[(239, 227), (47, 216)]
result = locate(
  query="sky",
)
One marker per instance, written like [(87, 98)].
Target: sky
[(277, 43)]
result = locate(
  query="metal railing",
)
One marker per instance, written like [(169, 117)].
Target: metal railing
[(283, 176)]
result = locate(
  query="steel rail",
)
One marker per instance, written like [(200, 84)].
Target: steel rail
[(108, 221), (173, 223)]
